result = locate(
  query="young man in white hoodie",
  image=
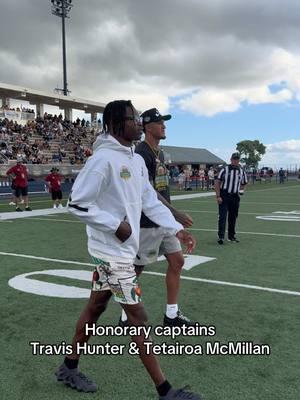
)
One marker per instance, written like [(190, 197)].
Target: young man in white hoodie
[(109, 195)]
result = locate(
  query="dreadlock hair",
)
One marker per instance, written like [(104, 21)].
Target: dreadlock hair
[(114, 116)]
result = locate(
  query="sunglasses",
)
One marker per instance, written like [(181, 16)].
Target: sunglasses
[(136, 119)]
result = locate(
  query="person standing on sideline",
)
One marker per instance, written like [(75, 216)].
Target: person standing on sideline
[(229, 185), (19, 175), (154, 240), (211, 177), (13, 201), (109, 194), (53, 181), (202, 177), (281, 175)]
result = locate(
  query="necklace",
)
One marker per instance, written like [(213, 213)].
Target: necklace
[(155, 152)]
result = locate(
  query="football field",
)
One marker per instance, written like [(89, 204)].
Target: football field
[(249, 291)]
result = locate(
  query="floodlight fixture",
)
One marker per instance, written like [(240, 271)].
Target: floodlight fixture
[(61, 9)]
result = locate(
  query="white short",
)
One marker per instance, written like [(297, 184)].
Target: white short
[(155, 242), (118, 277)]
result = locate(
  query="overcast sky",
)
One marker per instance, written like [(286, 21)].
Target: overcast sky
[(227, 70)]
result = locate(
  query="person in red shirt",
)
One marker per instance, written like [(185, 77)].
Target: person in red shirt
[(19, 175), (53, 181)]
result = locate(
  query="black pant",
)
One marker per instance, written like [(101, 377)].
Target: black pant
[(230, 205)]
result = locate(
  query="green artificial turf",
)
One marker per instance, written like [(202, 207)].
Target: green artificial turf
[(238, 313)]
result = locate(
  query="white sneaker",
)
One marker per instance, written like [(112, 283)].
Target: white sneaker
[(60, 206), (11, 203), (54, 206)]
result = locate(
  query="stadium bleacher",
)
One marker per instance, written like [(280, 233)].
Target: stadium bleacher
[(46, 140)]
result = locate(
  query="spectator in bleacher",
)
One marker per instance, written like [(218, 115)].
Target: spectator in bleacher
[(19, 174), (50, 128), (53, 181)]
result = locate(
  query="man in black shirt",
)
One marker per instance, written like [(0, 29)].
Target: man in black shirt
[(229, 185), (281, 175), (153, 239)]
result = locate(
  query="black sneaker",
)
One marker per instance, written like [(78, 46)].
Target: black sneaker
[(28, 209), (221, 241), (180, 394), (180, 320), (234, 239), (123, 323), (75, 379), (18, 209)]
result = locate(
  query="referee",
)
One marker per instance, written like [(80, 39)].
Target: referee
[(229, 186)]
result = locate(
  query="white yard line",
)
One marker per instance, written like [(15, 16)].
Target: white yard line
[(183, 277), (10, 193), (208, 194), (251, 202), (28, 214), (190, 229), (277, 204), (277, 188), (57, 220), (31, 202), (216, 211), (248, 233)]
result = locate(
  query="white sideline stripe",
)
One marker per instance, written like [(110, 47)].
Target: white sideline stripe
[(10, 193), (28, 214), (31, 202), (247, 233), (188, 278), (191, 196)]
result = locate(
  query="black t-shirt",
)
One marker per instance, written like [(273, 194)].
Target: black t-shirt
[(158, 175)]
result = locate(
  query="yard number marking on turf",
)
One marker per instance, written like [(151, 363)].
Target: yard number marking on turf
[(26, 283), (191, 261), (288, 216), (16, 281)]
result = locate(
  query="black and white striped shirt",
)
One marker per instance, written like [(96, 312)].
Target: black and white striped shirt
[(232, 178)]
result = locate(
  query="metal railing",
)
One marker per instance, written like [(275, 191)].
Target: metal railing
[(17, 115)]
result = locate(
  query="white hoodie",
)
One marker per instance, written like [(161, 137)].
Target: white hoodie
[(112, 187)]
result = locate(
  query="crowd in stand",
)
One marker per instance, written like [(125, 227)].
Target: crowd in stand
[(18, 109), (57, 137)]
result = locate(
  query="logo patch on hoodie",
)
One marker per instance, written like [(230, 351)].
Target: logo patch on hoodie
[(125, 173)]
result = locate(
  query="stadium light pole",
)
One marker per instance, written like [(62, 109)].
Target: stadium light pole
[(61, 8)]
